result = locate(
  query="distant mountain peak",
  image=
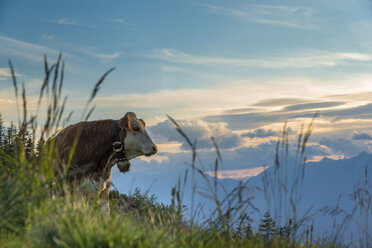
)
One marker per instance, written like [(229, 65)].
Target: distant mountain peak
[(325, 159), (364, 154), (361, 157)]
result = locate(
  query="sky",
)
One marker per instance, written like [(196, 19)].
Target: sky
[(234, 70)]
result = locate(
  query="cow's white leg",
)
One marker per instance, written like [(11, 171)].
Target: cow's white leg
[(102, 187), (104, 197)]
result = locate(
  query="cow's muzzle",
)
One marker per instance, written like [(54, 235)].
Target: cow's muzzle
[(153, 151)]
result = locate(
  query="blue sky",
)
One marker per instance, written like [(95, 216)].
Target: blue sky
[(232, 69)]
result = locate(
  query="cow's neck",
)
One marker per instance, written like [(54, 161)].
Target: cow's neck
[(118, 141), (117, 134), (107, 140)]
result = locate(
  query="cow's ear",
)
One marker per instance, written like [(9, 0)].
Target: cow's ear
[(130, 122), (125, 122)]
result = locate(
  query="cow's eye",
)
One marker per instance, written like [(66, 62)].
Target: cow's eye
[(136, 129)]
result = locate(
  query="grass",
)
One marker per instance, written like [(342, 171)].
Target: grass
[(39, 209), (32, 217)]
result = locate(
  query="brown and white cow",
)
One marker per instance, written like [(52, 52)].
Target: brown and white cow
[(99, 146)]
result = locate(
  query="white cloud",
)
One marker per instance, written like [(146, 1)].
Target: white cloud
[(345, 147), (155, 158), (119, 20), (108, 57), (279, 15), (261, 133), (196, 130), (66, 21), (105, 57), (302, 60), (362, 136), (5, 72), (11, 47), (48, 36), (186, 104)]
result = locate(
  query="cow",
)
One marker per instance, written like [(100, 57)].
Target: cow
[(90, 149)]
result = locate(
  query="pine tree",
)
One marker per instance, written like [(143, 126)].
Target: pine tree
[(244, 229), (25, 143), (267, 227), (29, 146), (10, 137), (248, 231), (2, 133)]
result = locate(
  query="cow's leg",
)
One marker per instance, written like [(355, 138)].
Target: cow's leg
[(102, 185), (104, 197)]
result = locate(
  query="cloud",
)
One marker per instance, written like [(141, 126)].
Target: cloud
[(316, 150), (30, 51), (228, 141), (250, 156), (198, 130), (155, 158), (5, 72), (256, 119), (223, 103), (178, 102), (359, 112), (278, 15), (240, 110), (48, 36), (66, 21), (260, 133), (362, 136), (279, 101), (119, 20), (248, 120), (312, 106), (342, 145), (13, 47), (104, 57), (305, 60), (366, 95), (241, 158)]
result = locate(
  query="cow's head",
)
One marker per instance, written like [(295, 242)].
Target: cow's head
[(137, 140)]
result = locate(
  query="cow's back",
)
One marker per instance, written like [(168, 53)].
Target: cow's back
[(93, 145)]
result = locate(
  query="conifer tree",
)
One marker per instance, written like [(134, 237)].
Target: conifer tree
[(248, 231), (244, 228), (29, 146), (25, 141), (267, 227), (10, 137), (2, 133)]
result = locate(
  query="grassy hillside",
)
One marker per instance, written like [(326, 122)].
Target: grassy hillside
[(38, 211)]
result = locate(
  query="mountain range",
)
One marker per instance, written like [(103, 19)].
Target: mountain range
[(327, 195), (326, 184)]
